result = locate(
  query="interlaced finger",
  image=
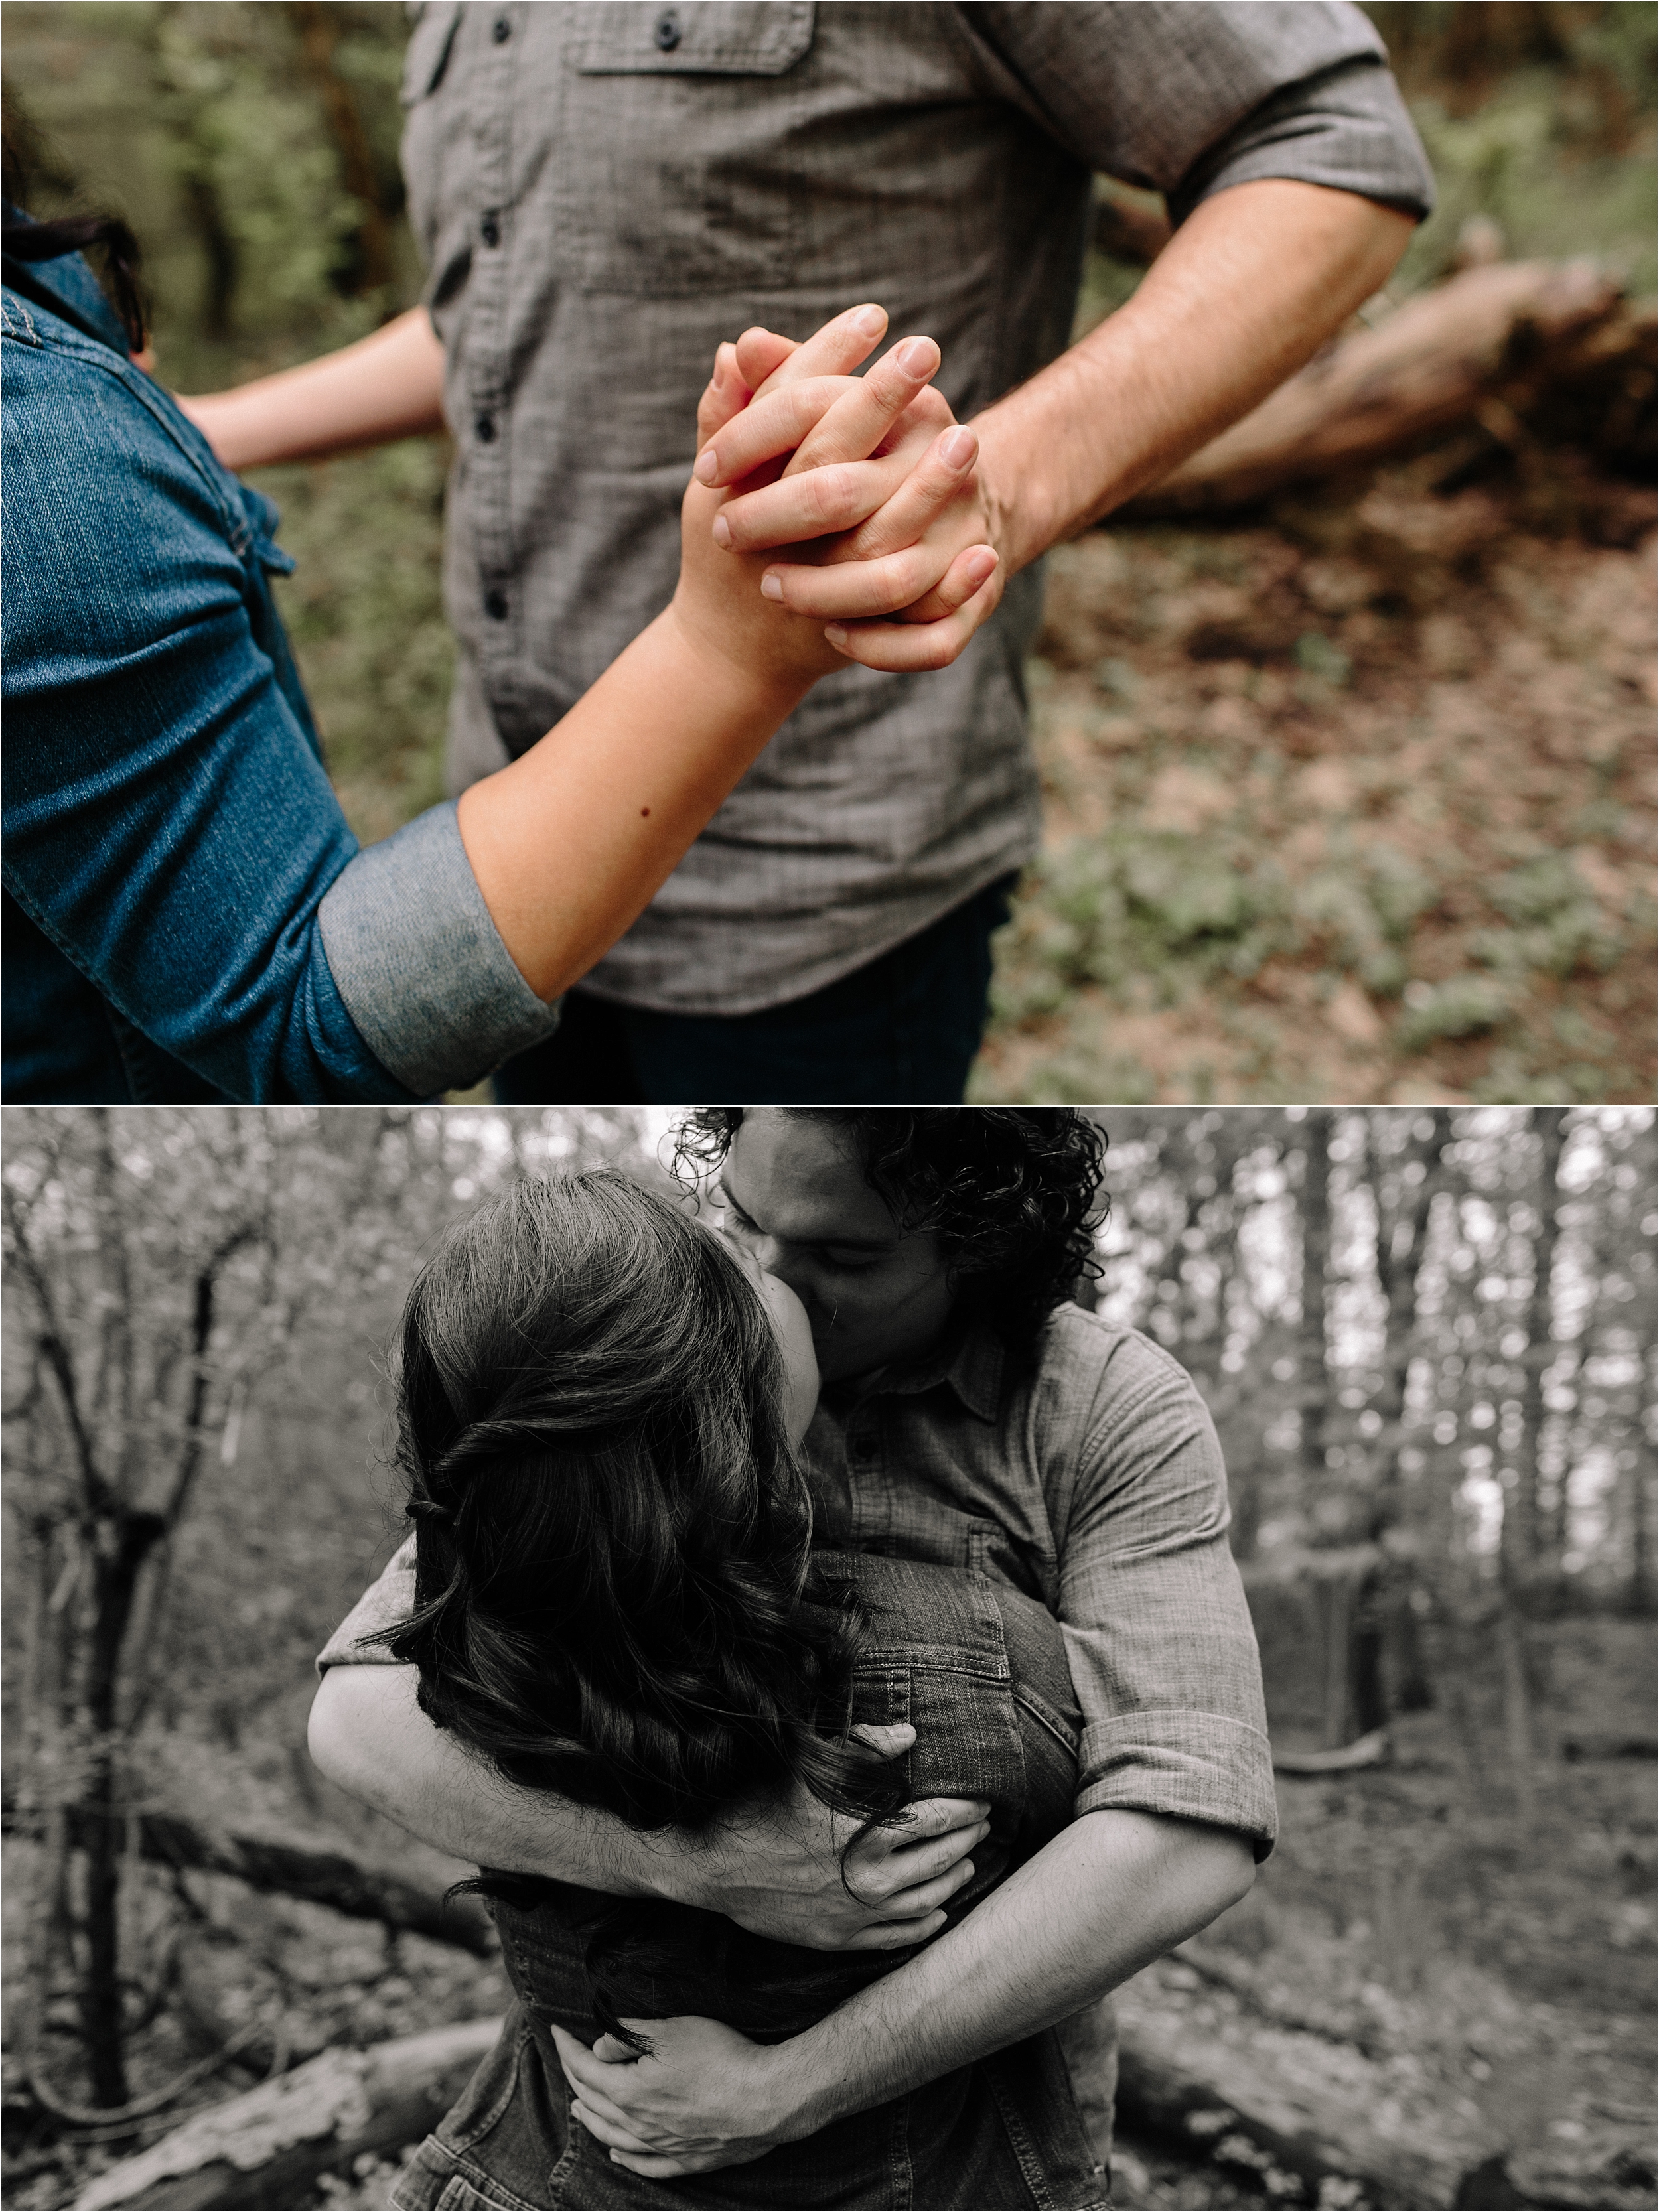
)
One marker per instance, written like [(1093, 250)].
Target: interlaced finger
[(856, 426), (901, 647), (917, 501), (859, 411), (836, 348), (844, 587), (792, 509)]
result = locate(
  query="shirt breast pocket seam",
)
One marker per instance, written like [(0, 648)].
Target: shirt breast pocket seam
[(608, 51), (705, 209)]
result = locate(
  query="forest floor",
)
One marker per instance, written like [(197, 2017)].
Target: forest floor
[(1427, 1961), (1351, 802)]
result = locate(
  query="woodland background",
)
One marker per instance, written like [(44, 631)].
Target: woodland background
[(1349, 783), (1428, 1337)]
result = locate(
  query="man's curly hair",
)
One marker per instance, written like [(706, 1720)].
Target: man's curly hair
[(1012, 1192)]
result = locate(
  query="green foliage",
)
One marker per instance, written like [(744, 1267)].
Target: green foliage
[(1517, 159), (1462, 1006), (1151, 916), (203, 124), (1557, 925)]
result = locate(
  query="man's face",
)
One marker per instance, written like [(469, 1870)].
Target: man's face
[(796, 1198)]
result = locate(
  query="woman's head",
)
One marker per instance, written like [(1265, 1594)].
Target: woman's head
[(612, 1530)]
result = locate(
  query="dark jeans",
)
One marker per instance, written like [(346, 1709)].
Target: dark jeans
[(903, 1030), (980, 1672)]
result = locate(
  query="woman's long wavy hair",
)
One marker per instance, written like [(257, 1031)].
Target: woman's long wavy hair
[(615, 1593)]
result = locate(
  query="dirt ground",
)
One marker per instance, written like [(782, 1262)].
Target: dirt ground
[(1352, 802)]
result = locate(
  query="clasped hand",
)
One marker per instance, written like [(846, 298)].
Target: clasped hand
[(869, 484), (706, 2096)]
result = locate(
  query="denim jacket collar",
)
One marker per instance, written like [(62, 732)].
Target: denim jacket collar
[(71, 291)]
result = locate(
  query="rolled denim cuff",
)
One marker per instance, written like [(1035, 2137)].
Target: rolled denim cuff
[(420, 964), (1194, 1767)]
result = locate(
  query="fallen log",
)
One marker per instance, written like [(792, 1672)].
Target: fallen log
[(1488, 346), (1281, 2105), (1370, 1750), (268, 2147), (320, 1875)]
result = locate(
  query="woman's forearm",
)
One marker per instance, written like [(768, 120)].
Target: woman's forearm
[(570, 843), (388, 385), (369, 1736)]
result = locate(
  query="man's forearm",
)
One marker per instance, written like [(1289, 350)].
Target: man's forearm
[(1246, 292), (388, 385), (1100, 1901), (370, 1736)]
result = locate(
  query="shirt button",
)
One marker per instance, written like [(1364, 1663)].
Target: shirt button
[(485, 428), (501, 31), (667, 31), (495, 605), (490, 230)]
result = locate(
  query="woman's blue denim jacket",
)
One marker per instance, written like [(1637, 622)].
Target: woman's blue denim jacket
[(980, 1672), (187, 915)]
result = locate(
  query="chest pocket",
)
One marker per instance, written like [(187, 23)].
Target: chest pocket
[(675, 172)]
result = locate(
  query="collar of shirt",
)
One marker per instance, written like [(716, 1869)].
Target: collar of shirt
[(969, 1357)]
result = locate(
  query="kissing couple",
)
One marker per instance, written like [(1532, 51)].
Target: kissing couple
[(822, 1634)]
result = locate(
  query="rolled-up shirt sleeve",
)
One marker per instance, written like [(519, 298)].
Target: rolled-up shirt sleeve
[(387, 1601), (1162, 1654), (169, 824), (1187, 100)]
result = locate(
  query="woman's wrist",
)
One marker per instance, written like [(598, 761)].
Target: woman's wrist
[(747, 686)]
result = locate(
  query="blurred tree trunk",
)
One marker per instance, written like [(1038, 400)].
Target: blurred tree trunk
[(1315, 1393), (1401, 1242), (1524, 1521), (318, 30)]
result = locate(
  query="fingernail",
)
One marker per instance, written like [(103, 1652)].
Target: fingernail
[(836, 634), (771, 585), (957, 447), (707, 467), (722, 530), (980, 563), (916, 356), (870, 322)]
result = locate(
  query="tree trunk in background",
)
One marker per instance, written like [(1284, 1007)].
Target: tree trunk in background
[(319, 33), (221, 251), (1401, 1241), (1524, 1523), (1315, 1264)]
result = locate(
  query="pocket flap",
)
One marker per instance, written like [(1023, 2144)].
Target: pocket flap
[(691, 38)]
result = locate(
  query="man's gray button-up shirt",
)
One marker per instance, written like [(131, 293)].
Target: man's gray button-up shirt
[(604, 192)]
